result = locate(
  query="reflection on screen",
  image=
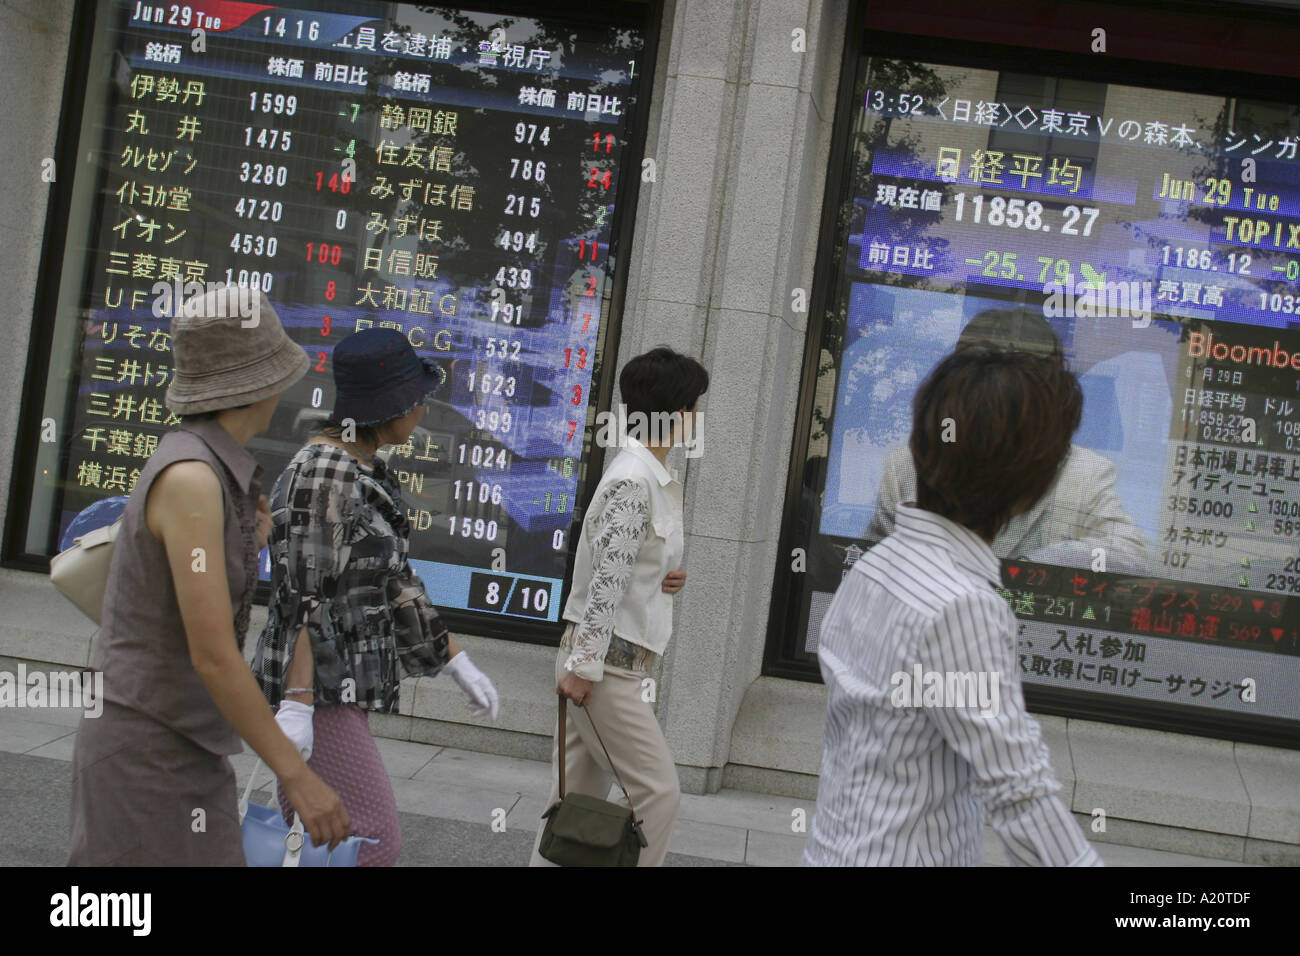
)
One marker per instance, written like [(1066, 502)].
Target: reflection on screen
[(1164, 563)]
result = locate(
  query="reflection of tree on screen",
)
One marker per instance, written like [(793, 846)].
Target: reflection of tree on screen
[(870, 134), (878, 382)]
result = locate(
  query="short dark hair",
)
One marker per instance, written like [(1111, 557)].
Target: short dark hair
[(1009, 417), (1018, 330), (662, 380)]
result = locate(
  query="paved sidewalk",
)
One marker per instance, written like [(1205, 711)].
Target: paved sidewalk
[(448, 800)]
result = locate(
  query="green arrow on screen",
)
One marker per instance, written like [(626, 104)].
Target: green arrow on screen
[(1092, 276)]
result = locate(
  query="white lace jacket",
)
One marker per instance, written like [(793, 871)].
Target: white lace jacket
[(631, 538)]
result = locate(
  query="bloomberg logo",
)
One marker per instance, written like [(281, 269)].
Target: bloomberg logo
[(1204, 345)]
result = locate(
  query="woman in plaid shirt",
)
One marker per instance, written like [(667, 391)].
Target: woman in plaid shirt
[(340, 574)]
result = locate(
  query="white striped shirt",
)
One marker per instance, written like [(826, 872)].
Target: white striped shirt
[(909, 785)]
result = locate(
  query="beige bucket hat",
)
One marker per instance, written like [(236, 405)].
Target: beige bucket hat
[(229, 349)]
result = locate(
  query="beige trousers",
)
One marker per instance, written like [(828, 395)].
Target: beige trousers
[(632, 735)]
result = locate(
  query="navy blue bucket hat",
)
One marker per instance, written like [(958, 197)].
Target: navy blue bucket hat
[(378, 377)]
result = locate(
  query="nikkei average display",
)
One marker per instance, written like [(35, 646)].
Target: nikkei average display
[(1158, 234)]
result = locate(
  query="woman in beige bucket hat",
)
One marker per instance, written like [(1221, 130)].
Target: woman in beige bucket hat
[(152, 779)]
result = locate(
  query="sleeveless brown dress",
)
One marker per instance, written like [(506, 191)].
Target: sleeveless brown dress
[(152, 780)]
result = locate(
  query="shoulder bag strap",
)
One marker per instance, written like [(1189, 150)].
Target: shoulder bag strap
[(564, 735)]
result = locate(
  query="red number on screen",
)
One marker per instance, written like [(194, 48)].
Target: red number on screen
[(335, 183), (325, 253)]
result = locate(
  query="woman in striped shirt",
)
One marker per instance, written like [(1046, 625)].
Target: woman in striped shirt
[(908, 774)]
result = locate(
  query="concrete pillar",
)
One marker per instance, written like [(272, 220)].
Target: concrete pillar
[(726, 232), (33, 56)]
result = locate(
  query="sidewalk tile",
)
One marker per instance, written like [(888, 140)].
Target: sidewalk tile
[(774, 849), (749, 811), (469, 768), (1116, 854), (467, 803), (1270, 776), (403, 758), (60, 749), (1163, 778), (1198, 843), (526, 815), (20, 735), (711, 840), (63, 716)]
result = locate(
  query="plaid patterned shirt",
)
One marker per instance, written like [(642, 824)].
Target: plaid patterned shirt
[(339, 567)]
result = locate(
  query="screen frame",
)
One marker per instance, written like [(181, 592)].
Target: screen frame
[(647, 15), (783, 645)]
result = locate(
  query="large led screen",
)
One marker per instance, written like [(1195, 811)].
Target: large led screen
[(1156, 235), (456, 175)]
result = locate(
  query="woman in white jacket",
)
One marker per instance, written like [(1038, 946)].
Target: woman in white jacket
[(619, 610)]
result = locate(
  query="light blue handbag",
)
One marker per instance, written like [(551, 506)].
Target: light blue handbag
[(268, 841)]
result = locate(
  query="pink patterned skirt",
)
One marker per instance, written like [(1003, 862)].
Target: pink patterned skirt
[(344, 755)]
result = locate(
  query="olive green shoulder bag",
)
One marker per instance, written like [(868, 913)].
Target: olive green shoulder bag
[(582, 830)]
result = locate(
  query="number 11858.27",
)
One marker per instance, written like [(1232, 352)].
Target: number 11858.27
[(1019, 214)]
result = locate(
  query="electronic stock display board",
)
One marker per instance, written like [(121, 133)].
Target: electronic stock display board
[(1158, 233), (456, 175)]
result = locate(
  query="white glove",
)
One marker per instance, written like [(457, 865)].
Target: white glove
[(483, 698), (295, 719)]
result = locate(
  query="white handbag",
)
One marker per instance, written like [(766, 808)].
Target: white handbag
[(81, 572)]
